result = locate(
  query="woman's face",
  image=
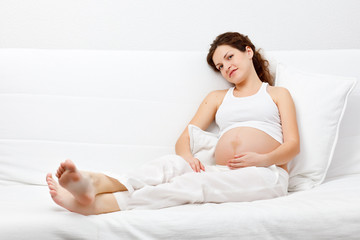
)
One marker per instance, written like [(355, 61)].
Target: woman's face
[(234, 65)]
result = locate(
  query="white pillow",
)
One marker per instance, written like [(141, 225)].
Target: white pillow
[(346, 159), (320, 102), (202, 144)]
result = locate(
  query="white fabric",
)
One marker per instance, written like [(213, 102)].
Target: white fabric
[(329, 211), (346, 159), (320, 102), (257, 111), (170, 181), (202, 144), (27, 212)]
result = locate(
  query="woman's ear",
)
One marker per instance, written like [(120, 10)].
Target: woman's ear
[(249, 51)]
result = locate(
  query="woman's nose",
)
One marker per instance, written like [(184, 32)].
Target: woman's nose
[(227, 67)]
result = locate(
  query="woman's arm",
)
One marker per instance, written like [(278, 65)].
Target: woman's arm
[(291, 145), (204, 116)]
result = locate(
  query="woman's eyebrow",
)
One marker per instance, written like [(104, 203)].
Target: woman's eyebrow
[(224, 58)]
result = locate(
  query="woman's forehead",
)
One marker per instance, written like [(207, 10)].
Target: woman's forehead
[(220, 52)]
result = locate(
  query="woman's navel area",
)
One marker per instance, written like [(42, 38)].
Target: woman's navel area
[(243, 139)]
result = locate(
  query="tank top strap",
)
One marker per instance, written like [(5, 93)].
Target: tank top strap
[(229, 93), (263, 88)]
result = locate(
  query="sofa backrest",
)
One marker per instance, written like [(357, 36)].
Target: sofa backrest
[(114, 110)]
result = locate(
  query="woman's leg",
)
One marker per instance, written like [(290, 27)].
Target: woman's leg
[(217, 186), (84, 186), (153, 173), (102, 203), (84, 192)]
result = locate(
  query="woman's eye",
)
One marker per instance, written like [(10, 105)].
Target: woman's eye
[(230, 57), (220, 68)]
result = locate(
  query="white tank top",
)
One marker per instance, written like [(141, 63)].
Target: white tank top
[(258, 111)]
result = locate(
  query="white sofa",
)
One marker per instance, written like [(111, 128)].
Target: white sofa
[(111, 111)]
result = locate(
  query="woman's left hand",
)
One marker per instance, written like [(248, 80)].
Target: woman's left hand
[(247, 159)]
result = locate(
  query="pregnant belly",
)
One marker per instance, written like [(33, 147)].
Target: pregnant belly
[(243, 139)]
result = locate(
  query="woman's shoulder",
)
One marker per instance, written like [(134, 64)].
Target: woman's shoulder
[(278, 93), (216, 96), (275, 90), (217, 93)]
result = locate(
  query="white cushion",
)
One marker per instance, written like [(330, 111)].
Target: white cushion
[(346, 159), (320, 102), (202, 144)]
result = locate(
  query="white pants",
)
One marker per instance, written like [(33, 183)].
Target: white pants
[(170, 181)]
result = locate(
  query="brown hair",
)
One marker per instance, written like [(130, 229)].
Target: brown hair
[(240, 42)]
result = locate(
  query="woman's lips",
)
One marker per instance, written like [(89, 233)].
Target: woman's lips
[(232, 72)]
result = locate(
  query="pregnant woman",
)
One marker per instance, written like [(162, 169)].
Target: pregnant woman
[(258, 137)]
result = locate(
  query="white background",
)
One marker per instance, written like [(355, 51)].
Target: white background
[(186, 25)]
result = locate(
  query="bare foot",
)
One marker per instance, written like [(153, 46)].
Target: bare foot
[(64, 198), (76, 182)]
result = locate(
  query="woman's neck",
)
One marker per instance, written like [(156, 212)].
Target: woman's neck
[(251, 84)]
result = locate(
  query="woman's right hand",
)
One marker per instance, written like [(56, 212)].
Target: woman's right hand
[(195, 164)]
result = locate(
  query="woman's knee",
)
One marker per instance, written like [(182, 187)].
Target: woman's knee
[(173, 165)]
